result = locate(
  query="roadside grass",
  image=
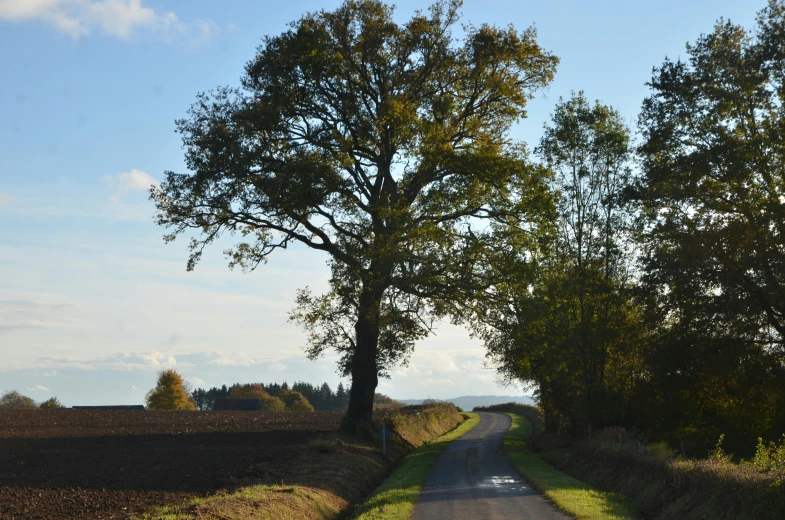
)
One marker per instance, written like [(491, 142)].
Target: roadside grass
[(568, 494), (395, 498)]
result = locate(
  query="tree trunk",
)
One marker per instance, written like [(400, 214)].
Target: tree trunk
[(364, 369)]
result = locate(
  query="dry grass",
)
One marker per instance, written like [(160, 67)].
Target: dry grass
[(669, 489)]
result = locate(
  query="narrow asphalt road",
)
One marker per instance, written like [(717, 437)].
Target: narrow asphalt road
[(472, 480)]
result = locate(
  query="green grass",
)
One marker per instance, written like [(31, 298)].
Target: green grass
[(395, 498), (568, 494)]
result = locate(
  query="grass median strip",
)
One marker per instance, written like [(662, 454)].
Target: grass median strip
[(395, 498), (568, 494)]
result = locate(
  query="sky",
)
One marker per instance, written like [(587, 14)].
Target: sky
[(93, 303)]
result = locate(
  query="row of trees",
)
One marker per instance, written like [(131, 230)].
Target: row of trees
[(13, 400), (634, 283), (319, 397), (658, 299)]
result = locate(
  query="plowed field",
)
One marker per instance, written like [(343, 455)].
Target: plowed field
[(102, 464)]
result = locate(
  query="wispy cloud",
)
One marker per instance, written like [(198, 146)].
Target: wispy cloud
[(133, 180), (39, 388), (118, 18), (27, 310), (4, 197)]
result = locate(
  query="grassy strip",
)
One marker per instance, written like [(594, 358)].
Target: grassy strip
[(395, 498), (568, 494)]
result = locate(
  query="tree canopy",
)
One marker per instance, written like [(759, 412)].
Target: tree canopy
[(381, 144), (169, 393)]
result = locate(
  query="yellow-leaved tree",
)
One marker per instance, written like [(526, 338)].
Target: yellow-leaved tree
[(295, 401), (169, 393)]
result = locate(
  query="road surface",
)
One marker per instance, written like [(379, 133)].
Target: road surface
[(472, 480)]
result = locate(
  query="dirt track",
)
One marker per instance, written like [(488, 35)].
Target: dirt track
[(102, 464)]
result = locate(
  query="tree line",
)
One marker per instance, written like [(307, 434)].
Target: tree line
[(321, 397), (655, 298), (633, 276)]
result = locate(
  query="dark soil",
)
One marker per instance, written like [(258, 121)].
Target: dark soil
[(102, 464)]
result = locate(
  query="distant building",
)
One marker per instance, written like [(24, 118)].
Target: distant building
[(237, 405), (111, 407)]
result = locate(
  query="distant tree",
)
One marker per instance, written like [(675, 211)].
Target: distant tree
[(248, 391), (52, 402), (381, 145), (273, 389), (272, 404), (13, 400), (169, 393), (325, 397), (341, 397), (295, 401)]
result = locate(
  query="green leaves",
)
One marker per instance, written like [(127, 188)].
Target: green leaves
[(385, 145)]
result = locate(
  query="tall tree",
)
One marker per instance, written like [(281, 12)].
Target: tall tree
[(563, 314), (377, 143), (713, 189), (169, 393)]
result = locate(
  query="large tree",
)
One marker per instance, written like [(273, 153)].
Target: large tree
[(562, 318), (713, 191), (383, 145)]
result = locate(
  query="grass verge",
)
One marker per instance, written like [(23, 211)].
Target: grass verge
[(568, 494), (395, 498)]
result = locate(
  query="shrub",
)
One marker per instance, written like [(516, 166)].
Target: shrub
[(13, 400), (272, 404), (295, 401), (248, 391), (169, 393), (52, 402), (769, 457), (382, 402)]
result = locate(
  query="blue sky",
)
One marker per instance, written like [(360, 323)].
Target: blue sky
[(92, 303)]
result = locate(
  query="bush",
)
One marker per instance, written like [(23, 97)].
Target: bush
[(383, 402), (295, 401), (13, 400), (169, 393), (671, 489), (272, 404), (769, 457), (248, 391), (51, 403)]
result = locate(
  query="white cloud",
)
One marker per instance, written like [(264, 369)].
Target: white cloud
[(51, 373), (133, 180), (39, 388), (119, 18), (196, 381), (276, 366)]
